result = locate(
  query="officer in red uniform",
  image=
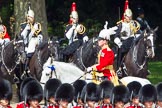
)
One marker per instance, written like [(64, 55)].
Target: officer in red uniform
[(105, 90), (64, 95), (5, 93), (105, 57), (78, 86), (49, 92), (32, 94), (134, 88)]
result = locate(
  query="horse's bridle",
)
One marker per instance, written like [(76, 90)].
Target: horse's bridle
[(17, 62), (146, 57)]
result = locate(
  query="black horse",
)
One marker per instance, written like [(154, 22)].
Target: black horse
[(136, 60), (87, 54), (11, 62), (84, 56)]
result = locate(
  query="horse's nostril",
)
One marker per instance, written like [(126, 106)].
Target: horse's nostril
[(47, 74)]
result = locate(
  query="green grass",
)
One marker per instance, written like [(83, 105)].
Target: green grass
[(156, 72)]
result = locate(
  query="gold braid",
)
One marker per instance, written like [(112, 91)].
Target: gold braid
[(36, 32)]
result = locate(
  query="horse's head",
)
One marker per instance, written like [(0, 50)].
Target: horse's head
[(53, 49), (149, 38), (19, 46)]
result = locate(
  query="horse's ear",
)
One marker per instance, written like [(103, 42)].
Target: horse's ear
[(145, 33), (156, 28)]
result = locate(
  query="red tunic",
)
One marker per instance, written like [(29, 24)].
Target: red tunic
[(21, 105), (52, 106), (105, 106), (106, 58)]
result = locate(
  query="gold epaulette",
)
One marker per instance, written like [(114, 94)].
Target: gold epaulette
[(119, 22), (36, 32)]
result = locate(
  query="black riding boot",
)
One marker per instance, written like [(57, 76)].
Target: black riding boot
[(119, 59), (26, 69)]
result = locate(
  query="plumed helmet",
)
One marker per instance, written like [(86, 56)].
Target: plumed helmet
[(74, 13), (78, 86), (120, 93), (90, 92), (5, 89), (128, 12), (32, 90), (140, 11), (159, 91), (51, 87), (30, 13), (134, 88), (105, 33), (65, 92), (148, 93), (105, 89)]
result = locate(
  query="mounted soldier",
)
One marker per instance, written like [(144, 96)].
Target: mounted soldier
[(124, 37), (32, 35), (4, 37), (75, 33), (5, 93), (141, 19)]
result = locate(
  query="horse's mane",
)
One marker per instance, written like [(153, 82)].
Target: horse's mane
[(42, 45)]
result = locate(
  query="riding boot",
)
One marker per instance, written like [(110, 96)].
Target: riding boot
[(26, 69), (119, 69)]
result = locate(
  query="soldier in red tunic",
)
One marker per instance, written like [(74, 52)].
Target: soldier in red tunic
[(5, 93), (148, 96), (134, 88), (159, 95), (4, 37), (78, 86), (49, 92), (120, 96), (32, 94), (105, 90), (64, 95), (90, 95)]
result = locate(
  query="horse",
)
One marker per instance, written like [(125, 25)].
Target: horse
[(69, 73), (85, 55), (45, 50), (10, 65), (136, 60)]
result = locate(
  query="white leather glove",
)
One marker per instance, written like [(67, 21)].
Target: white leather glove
[(1, 41), (85, 39), (118, 42), (89, 69)]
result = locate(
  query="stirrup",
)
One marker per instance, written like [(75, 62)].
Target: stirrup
[(119, 73), (23, 76)]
